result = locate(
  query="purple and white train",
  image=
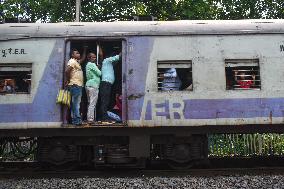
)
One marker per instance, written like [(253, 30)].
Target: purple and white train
[(170, 125)]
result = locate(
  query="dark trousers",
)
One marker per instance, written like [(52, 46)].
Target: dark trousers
[(105, 94)]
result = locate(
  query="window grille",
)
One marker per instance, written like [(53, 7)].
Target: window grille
[(15, 78), (174, 75), (242, 74)]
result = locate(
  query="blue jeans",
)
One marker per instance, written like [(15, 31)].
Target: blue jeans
[(76, 94)]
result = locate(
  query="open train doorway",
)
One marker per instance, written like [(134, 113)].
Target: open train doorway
[(101, 49)]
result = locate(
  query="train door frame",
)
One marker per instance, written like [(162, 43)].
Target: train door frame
[(124, 83), (123, 44), (67, 50)]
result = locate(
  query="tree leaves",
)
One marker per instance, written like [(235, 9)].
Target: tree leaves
[(110, 10)]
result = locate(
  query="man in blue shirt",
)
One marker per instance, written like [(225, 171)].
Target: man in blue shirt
[(108, 79), (171, 80)]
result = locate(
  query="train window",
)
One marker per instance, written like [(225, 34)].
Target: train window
[(174, 75), (242, 74), (15, 78)]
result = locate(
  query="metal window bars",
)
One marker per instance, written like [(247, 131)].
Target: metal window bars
[(171, 74), (15, 78), (242, 74)]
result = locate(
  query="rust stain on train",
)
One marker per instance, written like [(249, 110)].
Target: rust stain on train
[(270, 117), (134, 97), (130, 71)]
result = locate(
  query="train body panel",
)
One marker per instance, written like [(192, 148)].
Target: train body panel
[(209, 103), (206, 51), (36, 108)]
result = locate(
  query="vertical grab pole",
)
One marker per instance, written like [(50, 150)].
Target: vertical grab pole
[(98, 50), (78, 10), (64, 110)]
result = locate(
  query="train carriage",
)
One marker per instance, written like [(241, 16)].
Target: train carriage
[(213, 59)]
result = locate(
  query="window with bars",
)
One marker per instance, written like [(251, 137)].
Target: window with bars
[(15, 78), (174, 75), (242, 74)]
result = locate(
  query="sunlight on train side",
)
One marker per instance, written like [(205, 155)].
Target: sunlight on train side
[(15, 78), (174, 75), (242, 74)]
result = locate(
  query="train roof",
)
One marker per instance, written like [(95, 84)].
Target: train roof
[(132, 28)]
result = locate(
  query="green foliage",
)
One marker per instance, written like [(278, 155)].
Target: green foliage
[(196, 10), (274, 8), (246, 144), (110, 10), (13, 149), (250, 9), (106, 10)]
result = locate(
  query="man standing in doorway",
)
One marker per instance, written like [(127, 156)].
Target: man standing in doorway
[(74, 82), (106, 85)]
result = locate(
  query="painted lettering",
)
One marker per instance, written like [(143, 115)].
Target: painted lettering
[(4, 53), (281, 48), (163, 109), (148, 113), (22, 51), (11, 51), (177, 110), (166, 109)]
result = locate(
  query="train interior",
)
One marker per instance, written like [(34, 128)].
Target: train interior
[(109, 48), (242, 74), (174, 75), (15, 78)]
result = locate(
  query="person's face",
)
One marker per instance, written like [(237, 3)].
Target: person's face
[(92, 57), (242, 75), (2, 83), (76, 55)]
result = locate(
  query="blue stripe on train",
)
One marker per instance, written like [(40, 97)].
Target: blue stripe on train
[(214, 108)]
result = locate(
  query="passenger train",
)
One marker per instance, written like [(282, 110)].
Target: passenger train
[(231, 80)]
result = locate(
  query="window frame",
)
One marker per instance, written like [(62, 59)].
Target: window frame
[(163, 64), (245, 63), (18, 67)]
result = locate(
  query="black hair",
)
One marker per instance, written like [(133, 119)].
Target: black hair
[(72, 51)]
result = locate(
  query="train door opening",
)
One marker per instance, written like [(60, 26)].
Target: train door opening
[(102, 49)]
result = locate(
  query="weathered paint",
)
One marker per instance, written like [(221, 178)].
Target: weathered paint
[(154, 28), (210, 102), (47, 74), (212, 109), (138, 54)]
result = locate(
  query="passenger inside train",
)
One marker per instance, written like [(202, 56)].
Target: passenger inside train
[(7, 86), (170, 80), (107, 81), (74, 83), (101, 101), (242, 74), (174, 76), (242, 78), (244, 81), (15, 82), (93, 79)]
